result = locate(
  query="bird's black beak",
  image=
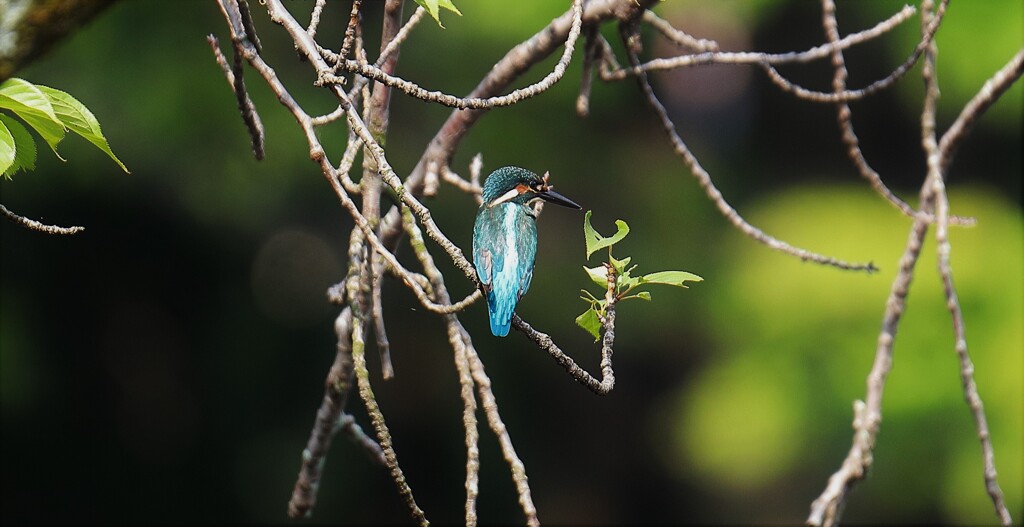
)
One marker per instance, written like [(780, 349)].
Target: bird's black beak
[(557, 199)]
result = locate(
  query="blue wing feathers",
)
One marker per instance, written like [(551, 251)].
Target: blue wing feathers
[(504, 248)]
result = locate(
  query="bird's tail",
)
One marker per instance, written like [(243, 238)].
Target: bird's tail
[(499, 328), (500, 315)]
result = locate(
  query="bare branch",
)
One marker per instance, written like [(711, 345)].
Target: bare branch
[(516, 62), (844, 118), (826, 509), (314, 17), (758, 58), (459, 347), (704, 179), (545, 342), (345, 166), (38, 226), (934, 155), (360, 82), (466, 357), (469, 423), (927, 37), (352, 28), (317, 154), (867, 420), (328, 418), (234, 76), (982, 101), (591, 56), (410, 88), (383, 435), (970, 387), (490, 406), (347, 425), (378, 117), (379, 331), (250, 29), (469, 187), (679, 37)]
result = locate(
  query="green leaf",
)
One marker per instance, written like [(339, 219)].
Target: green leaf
[(644, 295), (77, 118), (590, 322), (7, 149), (24, 147), (595, 241), (675, 278), (17, 94), (31, 104), (447, 4), (625, 282), (598, 274), (620, 265), (432, 7)]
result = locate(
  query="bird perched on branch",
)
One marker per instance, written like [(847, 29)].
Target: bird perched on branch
[(505, 238)]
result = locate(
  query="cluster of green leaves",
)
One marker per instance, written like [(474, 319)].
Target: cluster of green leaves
[(433, 7), (51, 113), (626, 285)]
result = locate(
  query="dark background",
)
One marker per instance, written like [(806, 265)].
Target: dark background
[(165, 365)]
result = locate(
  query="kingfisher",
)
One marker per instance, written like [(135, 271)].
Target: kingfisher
[(505, 238)]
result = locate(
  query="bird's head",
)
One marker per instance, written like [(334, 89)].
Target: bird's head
[(518, 185)]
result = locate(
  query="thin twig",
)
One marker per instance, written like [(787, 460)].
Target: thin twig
[(757, 58), (411, 88), (387, 369), (350, 30), (609, 65), (514, 64), (679, 37), (233, 74), (826, 509), (383, 435), (348, 426), (38, 226), (328, 418), (377, 118), (469, 423), (844, 119), (248, 110), (476, 165), (927, 37), (393, 46), (345, 166), (490, 406), (524, 57), (970, 387), (867, 419), (250, 28), (591, 56), (545, 342), (449, 176), (459, 347), (704, 179), (934, 156), (314, 17), (994, 87)]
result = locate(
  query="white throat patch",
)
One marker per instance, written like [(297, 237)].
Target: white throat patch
[(505, 197)]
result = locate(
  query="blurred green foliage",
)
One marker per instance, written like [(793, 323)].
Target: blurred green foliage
[(165, 365), (808, 329)]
